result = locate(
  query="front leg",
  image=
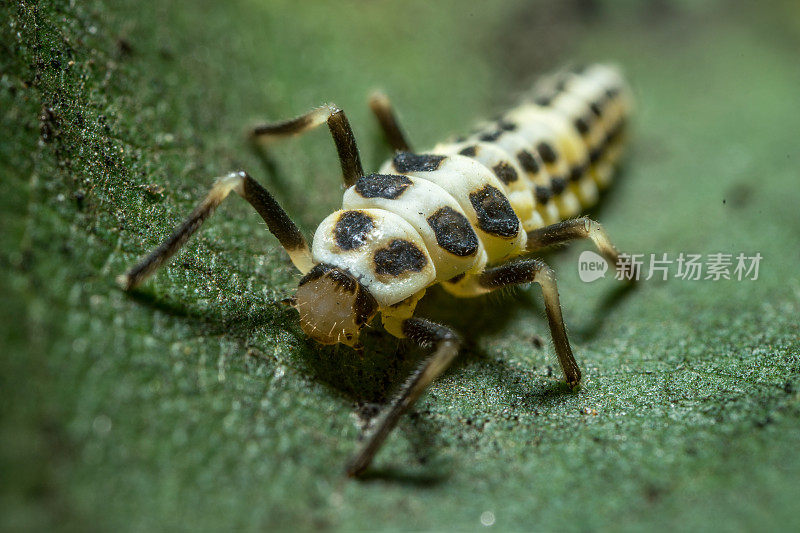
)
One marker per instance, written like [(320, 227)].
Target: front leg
[(340, 130), (425, 333), (536, 271), (278, 222)]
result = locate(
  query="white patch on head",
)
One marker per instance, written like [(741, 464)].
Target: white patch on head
[(360, 261)]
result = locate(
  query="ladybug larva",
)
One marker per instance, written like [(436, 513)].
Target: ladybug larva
[(466, 214)]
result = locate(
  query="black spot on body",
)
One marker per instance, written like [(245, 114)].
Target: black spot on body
[(399, 257), (612, 93), (495, 215), (469, 151), (389, 186), (547, 152), (596, 108), (595, 154), (491, 136), (581, 125), (558, 185), (506, 125), (618, 129), (351, 229), (577, 172), (527, 161), (453, 232), (543, 100), (505, 172), (543, 194), (606, 142), (408, 162)]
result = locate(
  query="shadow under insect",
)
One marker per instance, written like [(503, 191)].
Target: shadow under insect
[(372, 377)]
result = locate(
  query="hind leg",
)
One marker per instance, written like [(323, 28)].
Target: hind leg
[(535, 271), (580, 228)]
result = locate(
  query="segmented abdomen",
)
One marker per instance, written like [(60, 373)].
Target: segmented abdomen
[(567, 139), (435, 216)]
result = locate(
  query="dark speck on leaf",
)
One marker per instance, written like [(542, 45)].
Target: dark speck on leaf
[(537, 342), (124, 47), (79, 196), (739, 195)]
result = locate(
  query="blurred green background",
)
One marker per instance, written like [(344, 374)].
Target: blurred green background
[(197, 402)]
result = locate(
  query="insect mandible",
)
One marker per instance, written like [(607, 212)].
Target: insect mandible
[(465, 214)]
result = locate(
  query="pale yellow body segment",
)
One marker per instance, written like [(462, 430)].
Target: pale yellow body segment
[(541, 163)]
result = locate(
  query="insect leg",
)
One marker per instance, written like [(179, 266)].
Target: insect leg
[(533, 270), (276, 218), (382, 109), (425, 333), (340, 129), (577, 228)]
